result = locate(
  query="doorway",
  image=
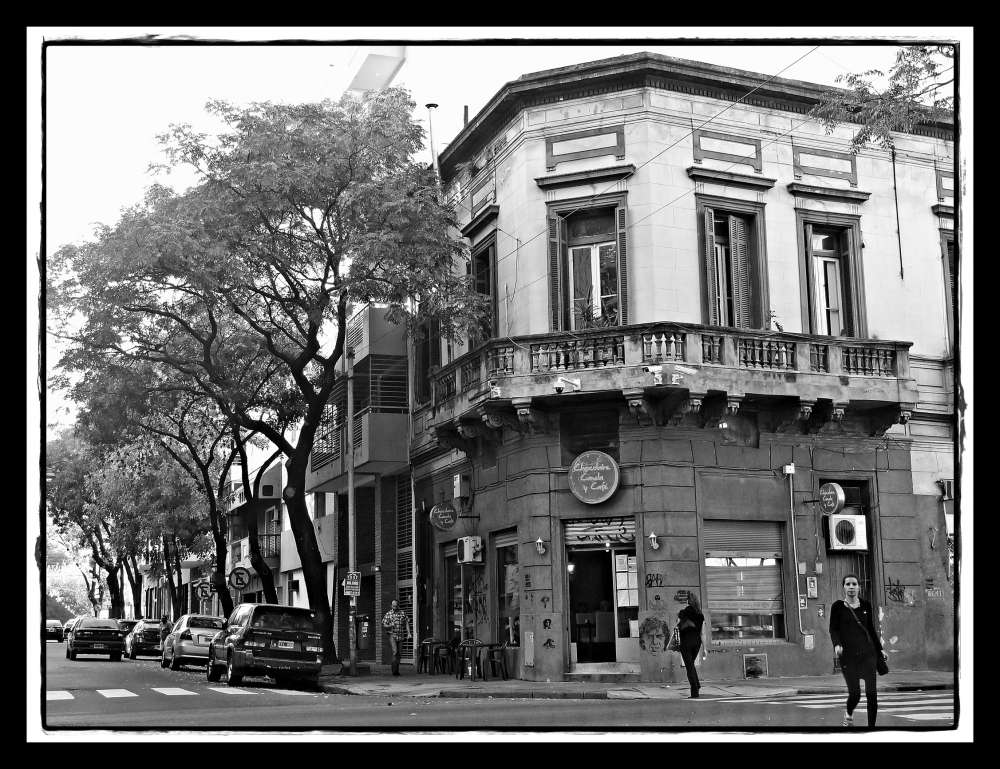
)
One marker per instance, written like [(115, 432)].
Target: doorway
[(604, 604)]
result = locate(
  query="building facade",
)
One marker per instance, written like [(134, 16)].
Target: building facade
[(705, 309)]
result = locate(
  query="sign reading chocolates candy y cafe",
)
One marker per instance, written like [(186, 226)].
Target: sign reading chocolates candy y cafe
[(443, 516), (593, 477)]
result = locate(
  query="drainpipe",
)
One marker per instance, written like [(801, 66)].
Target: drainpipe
[(895, 197), (795, 554)]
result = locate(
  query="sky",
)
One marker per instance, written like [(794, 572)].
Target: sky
[(105, 104)]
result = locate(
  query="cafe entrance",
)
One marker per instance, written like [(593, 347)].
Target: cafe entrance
[(603, 592)]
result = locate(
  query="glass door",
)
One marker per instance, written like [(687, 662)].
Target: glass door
[(626, 605)]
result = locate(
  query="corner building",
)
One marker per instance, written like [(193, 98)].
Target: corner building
[(726, 309)]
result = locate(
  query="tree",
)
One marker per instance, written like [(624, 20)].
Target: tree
[(919, 91), (239, 284)]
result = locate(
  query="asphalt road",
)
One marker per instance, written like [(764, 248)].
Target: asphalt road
[(139, 695)]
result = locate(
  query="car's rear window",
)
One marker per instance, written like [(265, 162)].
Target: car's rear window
[(283, 620), (100, 623), (209, 622)]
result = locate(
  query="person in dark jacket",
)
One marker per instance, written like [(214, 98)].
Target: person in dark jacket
[(165, 628), (691, 622), (856, 641)]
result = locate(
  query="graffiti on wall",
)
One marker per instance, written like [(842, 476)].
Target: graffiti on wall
[(602, 530), (895, 592), (654, 580), (477, 603), (653, 636)]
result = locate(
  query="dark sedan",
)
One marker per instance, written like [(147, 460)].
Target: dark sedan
[(53, 630), (144, 639), (95, 636)]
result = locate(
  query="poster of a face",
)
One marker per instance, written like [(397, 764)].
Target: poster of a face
[(653, 635)]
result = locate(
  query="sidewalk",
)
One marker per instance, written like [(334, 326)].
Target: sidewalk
[(412, 684)]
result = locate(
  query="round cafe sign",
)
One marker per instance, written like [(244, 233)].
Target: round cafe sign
[(593, 477), (831, 498), (443, 516)]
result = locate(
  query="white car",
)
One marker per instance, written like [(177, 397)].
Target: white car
[(188, 641)]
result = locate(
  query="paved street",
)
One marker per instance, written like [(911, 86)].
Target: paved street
[(96, 693)]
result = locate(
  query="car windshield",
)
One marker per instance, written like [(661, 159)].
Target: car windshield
[(100, 623), (283, 620), (214, 623)]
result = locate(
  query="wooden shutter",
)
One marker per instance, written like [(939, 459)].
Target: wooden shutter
[(555, 274), (740, 271), (847, 281), (711, 276), (434, 342), (622, 269), (952, 275), (812, 280), (494, 291)]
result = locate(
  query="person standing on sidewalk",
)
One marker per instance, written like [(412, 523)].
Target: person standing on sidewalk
[(398, 625), (857, 643), (691, 622), (165, 628)]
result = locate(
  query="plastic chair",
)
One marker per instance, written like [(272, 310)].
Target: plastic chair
[(444, 656), (425, 660), (496, 660), (467, 651)]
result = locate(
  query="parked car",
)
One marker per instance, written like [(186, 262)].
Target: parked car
[(282, 642), (69, 626), (189, 639), (92, 635), (143, 639), (126, 625), (53, 630)]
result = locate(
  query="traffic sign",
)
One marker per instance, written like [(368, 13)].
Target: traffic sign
[(352, 585), (204, 591), (239, 578)]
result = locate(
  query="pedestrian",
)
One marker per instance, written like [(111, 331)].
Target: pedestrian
[(165, 628), (691, 624), (857, 643), (397, 623)]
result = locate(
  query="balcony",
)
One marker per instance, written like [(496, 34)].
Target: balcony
[(270, 551), (379, 448), (797, 382)]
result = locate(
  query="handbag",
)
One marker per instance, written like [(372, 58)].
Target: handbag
[(881, 666), (674, 645)]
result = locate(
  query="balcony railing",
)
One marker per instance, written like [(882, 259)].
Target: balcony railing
[(270, 545), (705, 346)]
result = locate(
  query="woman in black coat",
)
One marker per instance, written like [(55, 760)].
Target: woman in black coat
[(857, 643), (691, 622)]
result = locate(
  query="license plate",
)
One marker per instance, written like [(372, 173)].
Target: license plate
[(98, 646), (286, 645)]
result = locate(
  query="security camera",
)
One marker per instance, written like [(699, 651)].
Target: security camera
[(559, 387), (561, 382), (652, 369)]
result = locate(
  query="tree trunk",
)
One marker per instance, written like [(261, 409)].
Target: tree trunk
[(257, 560), (168, 570), (178, 607), (135, 583), (313, 568), (117, 609)]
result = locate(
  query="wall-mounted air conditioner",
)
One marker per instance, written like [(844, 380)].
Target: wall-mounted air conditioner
[(947, 489), (848, 532), (470, 550)]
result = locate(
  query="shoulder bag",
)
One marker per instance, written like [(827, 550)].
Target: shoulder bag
[(881, 666)]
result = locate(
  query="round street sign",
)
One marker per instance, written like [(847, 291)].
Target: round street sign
[(593, 477), (443, 517), (239, 578), (204, 591), (831, 498)]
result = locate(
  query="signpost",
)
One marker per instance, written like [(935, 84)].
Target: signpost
[(204, 591), (593, 477), (239, 578)]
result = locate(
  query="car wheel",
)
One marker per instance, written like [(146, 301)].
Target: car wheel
[(214, 673), (163, 659), (175, 663), (233, 678)]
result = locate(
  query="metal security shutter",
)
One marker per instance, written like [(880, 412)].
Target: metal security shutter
[(753, 539), (505, 539), (404, 557), (596, 532)]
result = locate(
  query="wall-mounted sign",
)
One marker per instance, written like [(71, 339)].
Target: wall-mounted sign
[(443, 517), (352, 584), (593, 477), (831, 498), (239, 578), (812, 587)]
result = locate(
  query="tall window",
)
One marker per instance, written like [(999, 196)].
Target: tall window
[(428, 354), (508, 589), (732, 242), (948, 257), (743, 579), (832, 278), (482, 271), (588, 274)]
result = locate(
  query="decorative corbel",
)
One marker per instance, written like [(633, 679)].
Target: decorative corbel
[(533, 420), (449, 440), (825, 415), (717, 409), (645, 412), (497, 420), (881, 420), (686, 406), (472, 430), (798, 413)]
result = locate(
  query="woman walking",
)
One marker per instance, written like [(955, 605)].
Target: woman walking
[(691, 622), (857, 643)]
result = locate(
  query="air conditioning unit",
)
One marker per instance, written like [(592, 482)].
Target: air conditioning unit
[(848, 532), (267, 490), (293, 586), (947, 489), (470, 550)]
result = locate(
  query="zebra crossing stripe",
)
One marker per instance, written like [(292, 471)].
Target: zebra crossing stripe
[(925, 716), (172, 692), (109, 693), (58, 696), (224, 690), (292, 693)]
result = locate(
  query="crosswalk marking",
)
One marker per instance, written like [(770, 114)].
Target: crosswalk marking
[(58, 696), (224, 690), (172, 692), (116, 693), (915, 706), (288, 691), (927, 716)]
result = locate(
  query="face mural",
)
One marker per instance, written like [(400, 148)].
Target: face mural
[(653, 635)]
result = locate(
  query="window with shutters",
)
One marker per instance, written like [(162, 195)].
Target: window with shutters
[(831, 274), (949, 255), (482, 273), (743, 579), (732, 242), (428, 355), (588, 271)]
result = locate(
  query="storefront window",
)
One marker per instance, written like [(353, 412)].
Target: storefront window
[(453, 577), (508, 593), (745, 597)]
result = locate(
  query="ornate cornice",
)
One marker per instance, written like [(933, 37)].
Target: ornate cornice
[(828, 193), (729, 179)]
